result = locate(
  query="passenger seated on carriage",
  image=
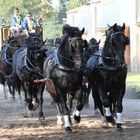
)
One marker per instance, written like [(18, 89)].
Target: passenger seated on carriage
[(30, 23), (17, 23)]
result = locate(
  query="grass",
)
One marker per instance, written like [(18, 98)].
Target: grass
[(133, 77), (133, 84)]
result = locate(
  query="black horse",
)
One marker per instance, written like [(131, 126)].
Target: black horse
[(93, 47), (109, 76), (8, 49), (63, 72), (28, 66)]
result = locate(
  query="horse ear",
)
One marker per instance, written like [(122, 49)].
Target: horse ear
[(98, 42), (43, 43), (123, 27), (83, 30), (108, 25), (115, 26)]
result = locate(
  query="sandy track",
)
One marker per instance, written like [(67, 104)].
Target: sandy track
[(15, 125)]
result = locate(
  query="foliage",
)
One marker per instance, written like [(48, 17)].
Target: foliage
[(75, 3), (62, 11), (52, 18), (133, 77), (133, 84), (52, 30), (39, 8)]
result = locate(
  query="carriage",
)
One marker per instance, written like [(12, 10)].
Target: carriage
[(5, 32)]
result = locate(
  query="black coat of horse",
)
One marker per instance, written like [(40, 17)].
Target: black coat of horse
[(93, 47), (28, 66), (8, 49), (109, 77), (63, 71)]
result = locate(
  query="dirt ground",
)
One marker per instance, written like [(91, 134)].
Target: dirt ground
[(15, 125)]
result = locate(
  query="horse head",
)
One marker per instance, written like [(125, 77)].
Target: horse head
[(35, 53), (73, 45), (34, 41), (93, 45), (114, 47), (13, 42)]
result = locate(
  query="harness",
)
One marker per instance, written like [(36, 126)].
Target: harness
[(101, 64)]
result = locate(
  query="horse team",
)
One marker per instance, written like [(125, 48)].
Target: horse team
[(30, 64)]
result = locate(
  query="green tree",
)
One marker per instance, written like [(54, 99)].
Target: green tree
[(39, 8), (71, 4), (52, 18), (62, 11)]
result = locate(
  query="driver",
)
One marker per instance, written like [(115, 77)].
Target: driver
[(17, 22)]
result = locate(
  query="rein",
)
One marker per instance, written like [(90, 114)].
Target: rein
[(34, 68)]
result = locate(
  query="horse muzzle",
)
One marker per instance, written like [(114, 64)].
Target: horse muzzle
[(78, 63)]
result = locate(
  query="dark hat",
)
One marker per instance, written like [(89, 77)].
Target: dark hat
[(16, 10)]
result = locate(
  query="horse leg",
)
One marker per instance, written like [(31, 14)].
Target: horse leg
[(112, 97), (24, 87), (18, 87), (10, 84), (97, 101), (64, 110), (33, 91), (19, 92), (106, 103), (70, 98), (60, 120), (41, 90), (86, 92), (119, 108), (4, 90), (28, 98), (2, 82), (79, 106)]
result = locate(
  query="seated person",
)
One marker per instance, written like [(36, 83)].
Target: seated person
[(17, 22), (30, 23)]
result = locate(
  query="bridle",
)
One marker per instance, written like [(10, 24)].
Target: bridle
[(71, 41), (71, 58), (113, 59)]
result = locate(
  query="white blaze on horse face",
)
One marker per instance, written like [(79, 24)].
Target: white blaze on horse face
[(107, 111), (119, 118), (67, 121)]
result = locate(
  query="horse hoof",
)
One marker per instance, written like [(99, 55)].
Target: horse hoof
[(41, 116), (30, 107), (111, 120), (119, 127), (79, 107), (77, 118), (68, 130)]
